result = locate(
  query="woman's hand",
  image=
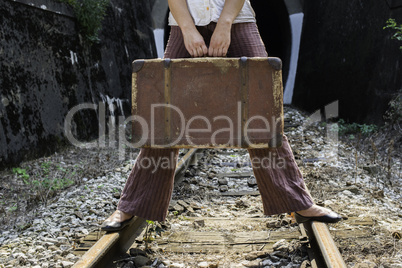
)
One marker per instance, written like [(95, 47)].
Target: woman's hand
[(193, 40), (194, 43), (220, 41)]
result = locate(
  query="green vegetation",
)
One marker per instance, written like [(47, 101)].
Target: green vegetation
[(394, 113), (148, 232), (353, 128), (392, 24), (21, 172), (13, 208), (42, 183), (48, 183), (89, 14)]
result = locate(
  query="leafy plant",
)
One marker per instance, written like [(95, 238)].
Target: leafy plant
[(392, 24), (45, 167), (89, 14), (13, 208), (355, 128), (183, 218), (43, 182), (21, 172), (394, 113), (148, 232)]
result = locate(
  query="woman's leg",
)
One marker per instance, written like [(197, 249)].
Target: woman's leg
[(149, 186), (279, 179)]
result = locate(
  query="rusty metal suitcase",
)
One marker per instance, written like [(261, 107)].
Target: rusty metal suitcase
[(207, 103)]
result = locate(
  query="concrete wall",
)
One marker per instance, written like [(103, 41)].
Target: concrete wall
[(46, 69)]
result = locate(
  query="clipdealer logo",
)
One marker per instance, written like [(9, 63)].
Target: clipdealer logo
[(108, 130), (231, 128)]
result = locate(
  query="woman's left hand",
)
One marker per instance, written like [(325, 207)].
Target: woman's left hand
[(220, 41)]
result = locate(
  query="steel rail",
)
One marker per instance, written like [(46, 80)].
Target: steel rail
[(112, 244), (321, 248), (328, 249), (314, 257)]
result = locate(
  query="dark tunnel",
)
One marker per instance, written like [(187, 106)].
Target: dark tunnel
[(273, 24)]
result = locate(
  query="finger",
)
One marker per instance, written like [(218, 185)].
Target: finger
[(224, 52), (200, 52), (190, 51), (204, 50), (210, 51), (220, 52), (194, 52), (216, 53), (197, 52)]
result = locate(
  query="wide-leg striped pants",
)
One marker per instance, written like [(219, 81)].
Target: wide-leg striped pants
[(149, 187)]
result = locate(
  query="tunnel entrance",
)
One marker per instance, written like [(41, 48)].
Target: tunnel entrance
[(273, 24)]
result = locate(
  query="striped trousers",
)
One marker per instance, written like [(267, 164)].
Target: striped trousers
[(148, 190)]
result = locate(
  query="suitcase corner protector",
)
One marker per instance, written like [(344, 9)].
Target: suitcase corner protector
[(276, 63), (243, 60), (137, 65), (166, 62)]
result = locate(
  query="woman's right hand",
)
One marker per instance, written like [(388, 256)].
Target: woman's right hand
[(194, 43), (193, 40)]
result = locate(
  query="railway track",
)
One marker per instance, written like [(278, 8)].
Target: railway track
[(104, 249)]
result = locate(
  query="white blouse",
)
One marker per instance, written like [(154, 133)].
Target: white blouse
[(207, 11)]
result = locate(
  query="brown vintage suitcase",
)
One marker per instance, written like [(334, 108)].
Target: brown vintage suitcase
[(207, 103)]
